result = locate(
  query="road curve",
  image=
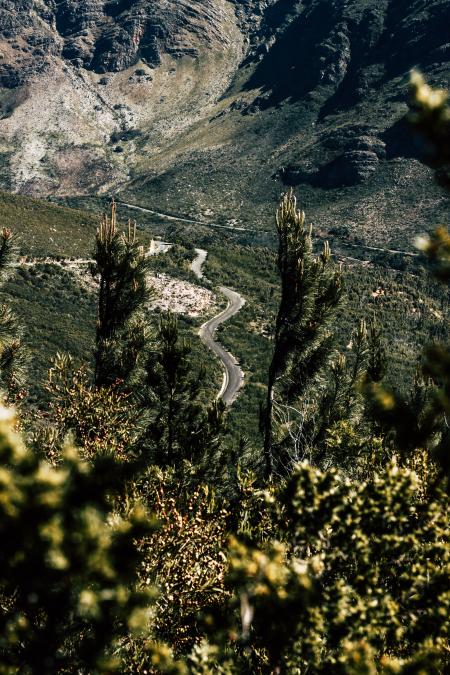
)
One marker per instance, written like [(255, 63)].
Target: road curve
[(233, 375)]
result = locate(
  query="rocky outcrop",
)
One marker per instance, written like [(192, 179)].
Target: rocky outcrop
[(348, 48), (360, 151), (103, 35), (360, 158), (350, 168), (74, 75)]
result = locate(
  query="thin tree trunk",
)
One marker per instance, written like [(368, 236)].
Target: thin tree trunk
[(268, 426), (170, 430), (104, 303)]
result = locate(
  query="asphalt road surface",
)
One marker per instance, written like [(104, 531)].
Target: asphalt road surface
[(233, 378)]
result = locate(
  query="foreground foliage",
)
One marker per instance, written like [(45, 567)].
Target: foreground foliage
[(68, 561), (358, 567), (322, 572)]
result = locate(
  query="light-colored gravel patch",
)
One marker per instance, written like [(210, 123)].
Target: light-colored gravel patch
[(180, 297)]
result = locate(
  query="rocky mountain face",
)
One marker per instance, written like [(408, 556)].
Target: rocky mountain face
[(103, 35), (211, 106), (107, 36)]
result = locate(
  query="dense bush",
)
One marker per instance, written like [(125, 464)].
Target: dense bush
[(68, 561)]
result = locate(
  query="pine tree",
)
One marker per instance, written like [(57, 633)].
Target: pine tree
[(311, 290), (122, 333), (343, 430), (430, 116), (337, 393), (12, 357), (180, 427), (377, 361)]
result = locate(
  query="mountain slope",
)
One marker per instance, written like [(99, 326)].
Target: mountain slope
[(210, 107), (62, 116), (43, 229)]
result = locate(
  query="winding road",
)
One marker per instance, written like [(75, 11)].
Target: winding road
[(233, 379), (233, 376)]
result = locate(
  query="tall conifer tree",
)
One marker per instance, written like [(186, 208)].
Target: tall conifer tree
[(124, 292), (181, 427), (11, 346), (310, 293)]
